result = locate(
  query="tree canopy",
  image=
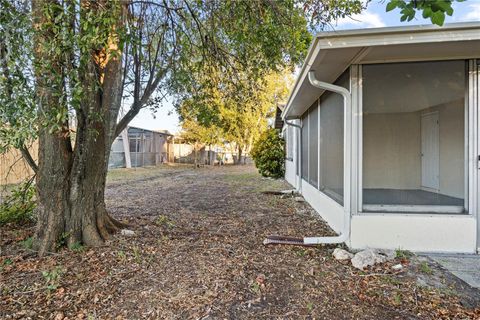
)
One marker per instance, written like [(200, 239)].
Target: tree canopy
[(232, 112), (435, 10)]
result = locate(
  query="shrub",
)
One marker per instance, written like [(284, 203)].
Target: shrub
[(269, 154), (19, 205)]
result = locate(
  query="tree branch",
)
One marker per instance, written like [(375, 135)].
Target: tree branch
[(123, 123), (29, 159)]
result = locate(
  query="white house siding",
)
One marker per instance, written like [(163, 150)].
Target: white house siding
[(415, 232), (290, 175), (330, 210)]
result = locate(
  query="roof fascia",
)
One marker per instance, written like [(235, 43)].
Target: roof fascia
[(368, 38)]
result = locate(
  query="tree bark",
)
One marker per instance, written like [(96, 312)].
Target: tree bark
[(239, 158), (71, 182)]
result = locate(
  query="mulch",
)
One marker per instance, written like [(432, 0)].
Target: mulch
[(197, 253)]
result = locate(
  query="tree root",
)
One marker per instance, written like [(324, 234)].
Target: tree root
[(107, 225)]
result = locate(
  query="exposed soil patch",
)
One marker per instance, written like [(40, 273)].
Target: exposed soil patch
[(197, 253)]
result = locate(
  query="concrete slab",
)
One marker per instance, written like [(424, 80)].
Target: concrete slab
[(465, 267)]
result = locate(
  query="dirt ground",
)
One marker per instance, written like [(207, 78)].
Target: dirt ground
[(197, 253)]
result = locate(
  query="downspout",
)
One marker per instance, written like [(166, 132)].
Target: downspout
[(345, 232), (347, 105), (299, 154)]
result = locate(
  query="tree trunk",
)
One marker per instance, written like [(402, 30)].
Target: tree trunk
[(71, 182), (239, 158), (71, 192), (89, 222)]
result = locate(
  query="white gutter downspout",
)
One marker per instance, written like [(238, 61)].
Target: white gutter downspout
[(347, 104), (299, 154)]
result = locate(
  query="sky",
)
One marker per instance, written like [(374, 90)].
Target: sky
[(374, 17)]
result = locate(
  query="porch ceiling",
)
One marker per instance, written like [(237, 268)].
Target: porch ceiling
[(333, 52)]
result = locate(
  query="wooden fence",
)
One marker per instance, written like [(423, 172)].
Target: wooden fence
[(13, 169)]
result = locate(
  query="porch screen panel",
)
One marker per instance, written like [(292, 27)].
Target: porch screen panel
[(134, 143), (304, 145), (332, 142), (313, 145), (414, 137)]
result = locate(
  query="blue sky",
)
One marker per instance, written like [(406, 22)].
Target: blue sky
[(374, 17)]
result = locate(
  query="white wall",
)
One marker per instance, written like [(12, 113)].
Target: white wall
[(452, 148), (290, 175), (391, 151), (329, 209), (415, 232)]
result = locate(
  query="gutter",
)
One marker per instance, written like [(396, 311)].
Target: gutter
[(345, 232)]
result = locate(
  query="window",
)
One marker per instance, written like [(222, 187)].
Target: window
[(332, 141), (414, 137)]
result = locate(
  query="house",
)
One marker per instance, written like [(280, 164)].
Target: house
[(145, 148), (382, 136)]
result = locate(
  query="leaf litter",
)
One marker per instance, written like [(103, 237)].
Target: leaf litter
[(197, 253)]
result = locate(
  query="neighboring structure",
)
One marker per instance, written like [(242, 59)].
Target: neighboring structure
[(198, 153), (392, 161), (186, 152), (145, 148)]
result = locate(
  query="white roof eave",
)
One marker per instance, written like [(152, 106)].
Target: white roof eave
[(367, 38)]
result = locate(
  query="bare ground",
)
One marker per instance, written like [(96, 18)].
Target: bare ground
[(197, 253)]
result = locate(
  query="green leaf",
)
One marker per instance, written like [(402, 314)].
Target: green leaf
[(438, 18), (427, 12), (449, 11), (391, 5)]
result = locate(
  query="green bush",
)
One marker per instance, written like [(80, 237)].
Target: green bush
[(269, 154), (19, 205)]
